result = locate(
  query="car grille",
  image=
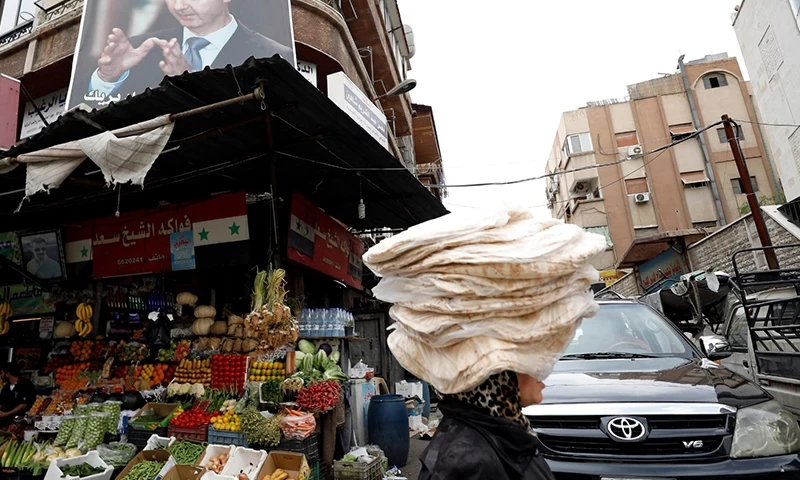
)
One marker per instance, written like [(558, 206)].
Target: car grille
[(582, 436)]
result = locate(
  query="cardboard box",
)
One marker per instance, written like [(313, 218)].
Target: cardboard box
[(415, 423), (149, 455), (408, 390), (163, 410), (294, 464), (184, 472)]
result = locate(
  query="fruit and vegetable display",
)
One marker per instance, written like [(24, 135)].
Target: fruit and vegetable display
[(228, 421), (228, 372), (262, 371), (5, 313), (185, 452), (192, 418), (271, 392), (270, 323), (297, 425), (320, 396), (80, 470), (177, 351), (194, 371), (217, 463), (83, 325), (259, 430), (144, 470), (313, 365)]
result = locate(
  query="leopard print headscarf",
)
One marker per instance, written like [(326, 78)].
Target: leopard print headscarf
[(498, 396)]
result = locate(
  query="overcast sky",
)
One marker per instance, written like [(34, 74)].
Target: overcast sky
[(499, 79)]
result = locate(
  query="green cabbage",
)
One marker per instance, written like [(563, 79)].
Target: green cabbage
[(306, 347)]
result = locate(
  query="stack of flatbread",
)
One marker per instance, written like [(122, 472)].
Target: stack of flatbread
[(478, 294)]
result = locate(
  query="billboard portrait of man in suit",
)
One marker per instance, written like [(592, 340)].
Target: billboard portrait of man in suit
[(203, 33)]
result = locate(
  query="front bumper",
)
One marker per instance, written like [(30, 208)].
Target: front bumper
[(778, 468)]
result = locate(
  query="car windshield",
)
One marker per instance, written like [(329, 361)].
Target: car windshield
[(627, 331)]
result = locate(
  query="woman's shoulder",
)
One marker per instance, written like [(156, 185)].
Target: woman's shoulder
[(458, 451)]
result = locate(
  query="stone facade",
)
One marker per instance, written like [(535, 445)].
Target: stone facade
[(627, 286), (716, 251)]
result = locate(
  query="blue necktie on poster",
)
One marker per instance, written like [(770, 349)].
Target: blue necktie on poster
[(192, 54)]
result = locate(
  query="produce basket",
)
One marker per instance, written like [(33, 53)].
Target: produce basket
[(220, 437), (314, 465), (54, 472), (156, 442), (308, 447), (357, 470), (197, 434), (141, 437), (245, 460)]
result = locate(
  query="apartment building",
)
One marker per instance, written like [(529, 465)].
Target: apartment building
[(645, 203), (368, 41), (769, 35)]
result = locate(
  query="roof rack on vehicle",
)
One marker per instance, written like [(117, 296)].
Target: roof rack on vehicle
[(745, 279)]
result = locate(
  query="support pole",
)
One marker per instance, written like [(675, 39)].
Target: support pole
[(747, 189), (273, 185)]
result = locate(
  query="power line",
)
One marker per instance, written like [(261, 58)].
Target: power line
[(658, 150), (768, 124)]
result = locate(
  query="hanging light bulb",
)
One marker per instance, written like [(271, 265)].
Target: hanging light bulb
[(362, 209)]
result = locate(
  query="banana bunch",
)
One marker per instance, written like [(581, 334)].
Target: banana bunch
[(5, 312), (83, 325)]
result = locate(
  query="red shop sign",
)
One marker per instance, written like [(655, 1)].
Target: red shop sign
[(319, 242), (139, 242)]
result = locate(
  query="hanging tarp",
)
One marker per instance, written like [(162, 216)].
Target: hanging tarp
[(124, 156)]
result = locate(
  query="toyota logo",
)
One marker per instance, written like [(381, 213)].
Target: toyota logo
[(626, 429)]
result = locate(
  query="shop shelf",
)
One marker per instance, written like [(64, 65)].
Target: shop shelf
[(357, 470), (220, 437), (199, 434)]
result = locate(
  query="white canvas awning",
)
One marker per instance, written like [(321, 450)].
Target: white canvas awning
[(123, 155)]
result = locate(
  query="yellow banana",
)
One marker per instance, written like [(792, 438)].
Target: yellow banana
[(5, 328), (88, 329), (5, 310)]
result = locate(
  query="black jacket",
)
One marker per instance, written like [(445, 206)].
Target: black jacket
[(244, 43), (470, 445)]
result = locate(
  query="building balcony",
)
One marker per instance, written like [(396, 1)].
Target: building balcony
[(54, 9), (14, 35), (584, 181)]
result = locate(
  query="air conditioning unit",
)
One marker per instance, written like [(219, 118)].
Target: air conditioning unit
[(641, 197), (581, 186), (635, 151)]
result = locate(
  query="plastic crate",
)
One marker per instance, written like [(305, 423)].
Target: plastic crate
[(199, 434), (314, 465), (308, 447), (358, 470), (141, 437), (221, 437)]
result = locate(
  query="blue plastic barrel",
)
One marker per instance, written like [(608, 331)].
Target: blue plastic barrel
[(387, 422), (426, 395)]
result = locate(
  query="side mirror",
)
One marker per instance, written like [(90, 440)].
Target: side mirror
[(715, 347)]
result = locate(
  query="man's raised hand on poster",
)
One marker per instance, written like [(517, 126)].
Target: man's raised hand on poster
[(119, 56)]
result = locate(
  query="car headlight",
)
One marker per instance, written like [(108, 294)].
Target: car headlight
[(765, 430)]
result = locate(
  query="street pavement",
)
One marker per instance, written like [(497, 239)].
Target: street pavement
[(411, 470)]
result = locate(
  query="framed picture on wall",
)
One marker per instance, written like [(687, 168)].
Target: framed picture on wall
[(43, 255)]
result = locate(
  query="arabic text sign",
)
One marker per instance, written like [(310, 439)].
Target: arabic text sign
[(26, 300), (51, 106), (139, 242), (349, 98), (319, 242), (308, 70), (181, 245), (235, 31), (666, 265)]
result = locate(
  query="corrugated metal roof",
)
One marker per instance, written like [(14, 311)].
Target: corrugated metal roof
[(320, 152)]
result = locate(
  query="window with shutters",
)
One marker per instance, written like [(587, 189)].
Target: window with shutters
[(738, 188), (636, 185), (578, 143), (737, 130), (627, 139)]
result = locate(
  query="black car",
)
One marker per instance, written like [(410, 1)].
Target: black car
[(632, 399)]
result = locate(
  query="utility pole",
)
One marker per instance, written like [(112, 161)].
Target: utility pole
[(747, 189)]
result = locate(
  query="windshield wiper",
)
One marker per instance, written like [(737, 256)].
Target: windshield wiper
[(598, 355)]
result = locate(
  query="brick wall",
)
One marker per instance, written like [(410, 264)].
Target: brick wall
[(627, 286), (715, 252)]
